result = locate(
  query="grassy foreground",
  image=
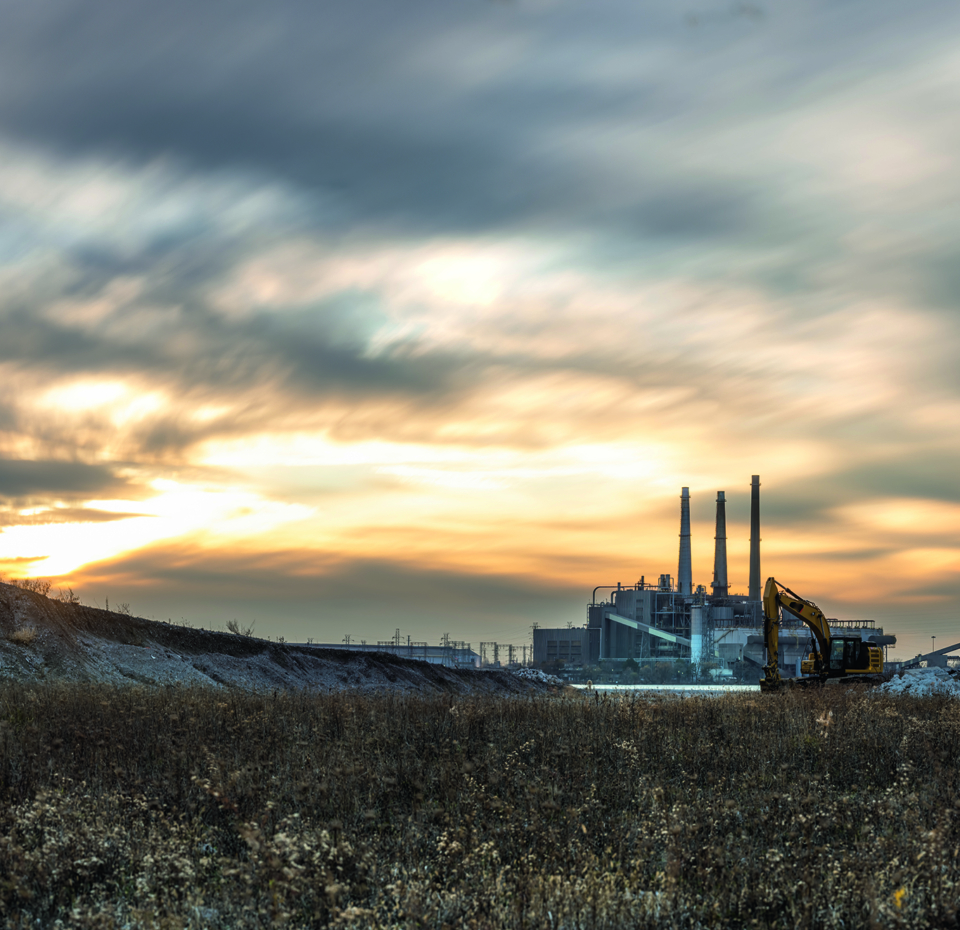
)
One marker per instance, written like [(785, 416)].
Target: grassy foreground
[(192, 808)]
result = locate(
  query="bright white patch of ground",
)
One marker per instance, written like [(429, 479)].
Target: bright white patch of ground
[(923, 682)]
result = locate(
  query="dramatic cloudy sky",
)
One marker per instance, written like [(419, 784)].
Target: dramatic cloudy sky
[(350, 316)]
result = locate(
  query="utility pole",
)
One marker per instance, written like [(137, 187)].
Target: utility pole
[(510, 649), (346, 639)]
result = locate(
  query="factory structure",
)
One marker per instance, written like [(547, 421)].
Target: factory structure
[(668, 620)]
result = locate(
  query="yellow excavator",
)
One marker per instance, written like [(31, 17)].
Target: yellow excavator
[(834, 657)]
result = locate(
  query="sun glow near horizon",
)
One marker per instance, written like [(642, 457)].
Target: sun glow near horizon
[(177, 510), (481, 510)]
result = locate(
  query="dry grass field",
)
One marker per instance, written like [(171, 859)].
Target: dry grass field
[(187, 808)]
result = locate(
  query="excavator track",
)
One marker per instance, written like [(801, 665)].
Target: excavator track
[(812, 682)]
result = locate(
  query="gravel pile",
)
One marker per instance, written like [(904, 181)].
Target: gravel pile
[(534, 674), (923, 682)]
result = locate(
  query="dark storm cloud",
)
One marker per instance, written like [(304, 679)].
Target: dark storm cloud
[(940, 284), (435, 116), (223, 353), (946, 588), (920, 474), (21, 478), (306, 92), (924, 473)]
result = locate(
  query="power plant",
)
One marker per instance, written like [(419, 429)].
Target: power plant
[(667, 620)]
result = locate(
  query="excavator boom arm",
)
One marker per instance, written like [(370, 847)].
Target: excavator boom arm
[(810, 614), (777, 597)]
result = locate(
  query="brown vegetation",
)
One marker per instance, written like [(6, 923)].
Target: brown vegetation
[(24, 636), (193, 808)]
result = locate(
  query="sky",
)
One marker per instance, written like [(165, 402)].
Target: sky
[(347, 317)]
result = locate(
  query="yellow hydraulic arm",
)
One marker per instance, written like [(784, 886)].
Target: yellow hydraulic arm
[(777, 597)]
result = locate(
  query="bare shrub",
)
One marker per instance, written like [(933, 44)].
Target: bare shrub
[(67, 597), (24, 636), (234, 627), (34, 585)]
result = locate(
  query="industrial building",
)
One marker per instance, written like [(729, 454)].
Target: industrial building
[(669, 619)]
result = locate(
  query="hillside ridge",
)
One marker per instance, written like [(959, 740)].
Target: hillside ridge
[(42, 639)]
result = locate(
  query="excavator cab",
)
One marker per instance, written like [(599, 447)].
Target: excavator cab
[(843, 654), (849, 655)]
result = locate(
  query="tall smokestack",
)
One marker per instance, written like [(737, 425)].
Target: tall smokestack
[(685, 572), (755, 538), (720, 549)]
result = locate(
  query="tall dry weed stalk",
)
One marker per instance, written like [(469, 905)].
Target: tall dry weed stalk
[(191, 808)]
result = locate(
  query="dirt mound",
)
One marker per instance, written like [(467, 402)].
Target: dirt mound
[(47, 640)]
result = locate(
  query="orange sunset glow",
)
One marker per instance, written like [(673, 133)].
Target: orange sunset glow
[(430, 336)]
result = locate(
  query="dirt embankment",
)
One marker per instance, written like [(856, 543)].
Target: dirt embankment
[(46, 640)]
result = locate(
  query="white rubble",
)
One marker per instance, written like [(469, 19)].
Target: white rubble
[(923, 682), (534, 674)]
